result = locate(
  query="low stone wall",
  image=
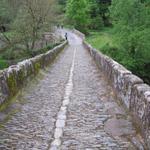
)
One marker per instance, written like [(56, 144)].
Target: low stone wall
[(13, 78), (129, 88), (81, 35), (134, 94)]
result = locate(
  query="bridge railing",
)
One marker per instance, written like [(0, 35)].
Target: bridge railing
[(132, 91), (81, 35), (13, 78), (134, 94)]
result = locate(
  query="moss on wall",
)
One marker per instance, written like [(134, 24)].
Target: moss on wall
[(20, 77), (12, 84), (15, 76), (37, 67)]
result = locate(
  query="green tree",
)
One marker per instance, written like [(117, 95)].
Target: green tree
[(33, 18), (93, 14), (62, 2), (77, 13), (131, 19), (8, 12), (25, 21), (96, 21), (103, 8)]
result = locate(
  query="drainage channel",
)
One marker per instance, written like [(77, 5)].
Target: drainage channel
[(62, 114)]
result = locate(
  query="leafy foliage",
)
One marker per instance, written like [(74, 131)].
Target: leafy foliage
[(131, 20), (23, 24), (3, 63), (77, 13), (89, 14), (128, 42)]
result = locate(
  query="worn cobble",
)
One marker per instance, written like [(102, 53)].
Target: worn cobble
[(32, 126), (94, 119)]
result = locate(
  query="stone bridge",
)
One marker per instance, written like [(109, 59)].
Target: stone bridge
[(81, 100)]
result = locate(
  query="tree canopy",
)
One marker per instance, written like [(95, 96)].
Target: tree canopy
[(85, 14), (131, 20), (77, 13), (26, 18)]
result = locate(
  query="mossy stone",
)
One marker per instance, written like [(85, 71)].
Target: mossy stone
[(37, 67), (12, 84), (20, 77)]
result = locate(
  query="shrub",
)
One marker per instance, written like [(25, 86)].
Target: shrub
[(3, 64)]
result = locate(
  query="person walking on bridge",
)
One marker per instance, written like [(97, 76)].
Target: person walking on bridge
[(66, 36)]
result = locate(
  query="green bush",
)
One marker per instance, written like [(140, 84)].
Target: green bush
[(44, 50), (131, 20), (134, 55), (120, 55), (3, 64), (14, 55), (136, 64)]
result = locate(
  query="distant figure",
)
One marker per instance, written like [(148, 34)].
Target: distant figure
[(58, 26), (2, 28), (66, 36)]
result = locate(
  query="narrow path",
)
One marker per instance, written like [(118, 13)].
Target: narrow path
[(71, 107), (61, 117)]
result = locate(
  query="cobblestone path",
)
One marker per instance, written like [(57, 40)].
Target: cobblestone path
[(70, 107)]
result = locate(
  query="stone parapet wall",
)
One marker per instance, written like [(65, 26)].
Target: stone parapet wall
[(134, 94), (132, 91), (81, 35), (13, 78)]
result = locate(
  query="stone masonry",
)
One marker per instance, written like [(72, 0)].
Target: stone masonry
[(74, 103)]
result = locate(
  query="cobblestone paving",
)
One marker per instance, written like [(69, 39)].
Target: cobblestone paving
[(32, 127), (95, 120)]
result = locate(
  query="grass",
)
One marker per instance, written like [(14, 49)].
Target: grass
[(3, 63), (99, 39), (10, 34), (108, 42)]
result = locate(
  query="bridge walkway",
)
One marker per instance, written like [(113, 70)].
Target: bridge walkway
[(70, 106)]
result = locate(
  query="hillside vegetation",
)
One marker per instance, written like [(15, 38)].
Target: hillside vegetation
[(24, 25), (109, 43), (119, 28)]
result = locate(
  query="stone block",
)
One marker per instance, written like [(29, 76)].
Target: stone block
[(140, 107), (127, 84), (4, 91)]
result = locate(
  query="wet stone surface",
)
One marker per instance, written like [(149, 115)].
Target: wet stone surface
[(88, 118)]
